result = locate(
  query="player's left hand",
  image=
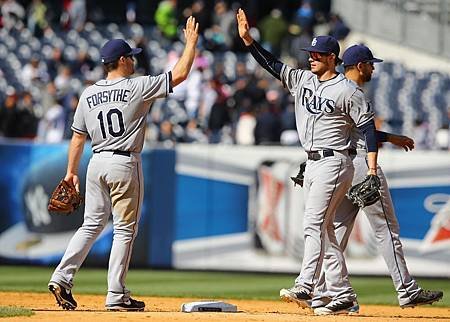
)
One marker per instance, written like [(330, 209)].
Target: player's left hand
[(191, 31), (402, 141)]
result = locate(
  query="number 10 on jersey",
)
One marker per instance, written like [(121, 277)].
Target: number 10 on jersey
[(114, 121)]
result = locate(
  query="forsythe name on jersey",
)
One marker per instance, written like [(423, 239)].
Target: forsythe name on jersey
[(112, 95)]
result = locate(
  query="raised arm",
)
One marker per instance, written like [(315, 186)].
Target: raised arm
[(183, 66), (262, 56)]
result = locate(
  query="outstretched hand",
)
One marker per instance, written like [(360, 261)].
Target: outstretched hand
[(243, 27), (191, 31), (402, 141)]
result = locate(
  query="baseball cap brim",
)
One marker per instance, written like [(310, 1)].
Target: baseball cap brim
[(135, 51), (314, 49), (375, 60)]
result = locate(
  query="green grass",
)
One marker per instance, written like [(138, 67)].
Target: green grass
[(9, 311), (206, 285)]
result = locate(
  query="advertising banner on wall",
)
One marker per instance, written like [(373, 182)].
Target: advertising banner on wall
[(29, 234), (272, 239)]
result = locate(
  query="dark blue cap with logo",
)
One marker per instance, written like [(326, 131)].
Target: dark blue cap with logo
[(115, 48), (359, 54), (324, 45)]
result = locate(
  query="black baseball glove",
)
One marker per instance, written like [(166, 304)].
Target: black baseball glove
[(298, 179), (365, 193)]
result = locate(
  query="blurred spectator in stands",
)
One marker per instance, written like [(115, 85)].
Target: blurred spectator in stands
[(268, 123), (166, 18), (37, 18), (72, 106), (73, 15), (55, 62), (83, 66), (219, 115), (304, 17), (194, 86), (193, 133), (198, 11), (13, 14), (63, 80), (296, 44), (223, 30), (167, 134), (289, 134), (9, 115), (52, 126), (130, 11), (77, 14), (420, 134), (27, 122), (143, 59), (338, 28), (273, 29), (245, 127), (443, 138), (34, 72)]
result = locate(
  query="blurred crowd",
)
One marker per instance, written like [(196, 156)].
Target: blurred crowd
[(227, 97)]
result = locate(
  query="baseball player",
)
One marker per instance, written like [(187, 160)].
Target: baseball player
[(113, 113), (359, 66), (327, 106)]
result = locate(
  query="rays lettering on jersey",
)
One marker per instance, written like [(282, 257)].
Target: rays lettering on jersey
[(316, 104), (112, 95)]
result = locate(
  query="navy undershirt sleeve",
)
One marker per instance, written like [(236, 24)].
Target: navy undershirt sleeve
[(266, 59), (381, 136), (368, 130)]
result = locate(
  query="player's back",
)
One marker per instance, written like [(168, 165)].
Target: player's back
[(113, 112)]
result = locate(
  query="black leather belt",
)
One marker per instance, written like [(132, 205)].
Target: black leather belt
[(124, 153), (316, 155)]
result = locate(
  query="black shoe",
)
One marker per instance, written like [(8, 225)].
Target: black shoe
[(297, 294), (424, 297), (130, 305), (63, 296), (338, 307)]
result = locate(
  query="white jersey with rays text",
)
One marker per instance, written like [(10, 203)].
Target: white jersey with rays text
[(325, 111), (113, 112)]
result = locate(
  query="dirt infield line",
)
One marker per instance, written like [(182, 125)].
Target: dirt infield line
[(162, 309)]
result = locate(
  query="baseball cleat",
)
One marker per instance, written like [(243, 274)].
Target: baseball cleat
[(63, 296), (130, 305), (424, 297), (338, 307), (297, 294)]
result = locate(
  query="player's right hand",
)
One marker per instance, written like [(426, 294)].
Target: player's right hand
[(70, 177), (243, 27), (191, 31)]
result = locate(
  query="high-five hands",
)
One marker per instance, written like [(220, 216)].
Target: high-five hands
[(191, 31), (243, 27)]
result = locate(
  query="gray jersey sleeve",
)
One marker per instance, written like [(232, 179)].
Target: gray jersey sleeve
[(359, 108), (153, 87), (291, 78), (79, 122)]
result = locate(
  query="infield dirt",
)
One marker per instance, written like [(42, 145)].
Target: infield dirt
[(165, 309)]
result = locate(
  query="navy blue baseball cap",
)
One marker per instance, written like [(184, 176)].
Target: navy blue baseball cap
[(358, 54), (324, 45), (115, 48)]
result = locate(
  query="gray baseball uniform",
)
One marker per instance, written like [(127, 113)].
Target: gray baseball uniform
[(325, 115), (113, 113), (382, 218)]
